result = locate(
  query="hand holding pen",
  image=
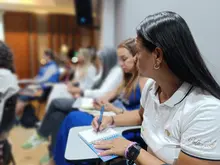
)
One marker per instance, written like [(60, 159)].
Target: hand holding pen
[(101, 122), (100, 118)]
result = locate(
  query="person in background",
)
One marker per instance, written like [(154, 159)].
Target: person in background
[(8, 96), (180, 106), (94, 58), (96, 62), (127, 96), (111, 77), (81, 64), (40, 88), (69, 66), (85, 70)]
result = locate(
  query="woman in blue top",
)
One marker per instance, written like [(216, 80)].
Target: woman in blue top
[(129, 99), (48, 74)]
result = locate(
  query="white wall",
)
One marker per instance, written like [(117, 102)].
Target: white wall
[(202, 16), (107, 24)]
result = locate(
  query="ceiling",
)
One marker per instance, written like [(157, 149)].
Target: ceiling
[(39, 6)]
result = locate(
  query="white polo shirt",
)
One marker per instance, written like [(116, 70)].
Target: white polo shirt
[(189, 121)]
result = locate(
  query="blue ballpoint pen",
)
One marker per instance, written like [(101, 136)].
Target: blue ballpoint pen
[(100, 117)]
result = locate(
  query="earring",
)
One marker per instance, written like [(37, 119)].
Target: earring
[(156, 67), (135, 59)]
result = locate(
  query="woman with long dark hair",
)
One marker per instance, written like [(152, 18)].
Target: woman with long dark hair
[(180, 107)]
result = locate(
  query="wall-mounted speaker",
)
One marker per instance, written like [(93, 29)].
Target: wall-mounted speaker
[(83, 10)]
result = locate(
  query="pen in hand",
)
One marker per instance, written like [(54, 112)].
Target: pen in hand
[(100, 118)]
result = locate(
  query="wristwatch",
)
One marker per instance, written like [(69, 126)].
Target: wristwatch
[(132, 153)]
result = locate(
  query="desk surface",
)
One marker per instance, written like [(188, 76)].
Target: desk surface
[(77, 149)]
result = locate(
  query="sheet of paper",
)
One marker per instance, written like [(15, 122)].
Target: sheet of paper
[(84, 103), (25, 81), (87, 103), (95, 112)]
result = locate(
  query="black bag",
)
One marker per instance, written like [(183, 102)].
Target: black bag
[(8, 117), (29, 119)]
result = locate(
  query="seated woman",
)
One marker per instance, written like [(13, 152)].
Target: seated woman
[(85, 76), (59, 108), (180, 106), (130, 98), (48, 74), (68, 66)]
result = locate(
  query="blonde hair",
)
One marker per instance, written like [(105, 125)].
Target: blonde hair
[(83, 69), (130, 79)]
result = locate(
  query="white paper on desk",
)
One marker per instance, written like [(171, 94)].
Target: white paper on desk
[(84, 103), (49, 84), (34, 87), (97, 112), (92, 136), (25, 81)]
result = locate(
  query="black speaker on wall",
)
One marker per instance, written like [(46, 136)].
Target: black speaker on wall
[(83, 10)]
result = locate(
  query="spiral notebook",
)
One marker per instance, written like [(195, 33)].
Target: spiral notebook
[(90, 137)]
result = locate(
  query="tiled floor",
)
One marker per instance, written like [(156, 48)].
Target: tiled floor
[(25, 157)]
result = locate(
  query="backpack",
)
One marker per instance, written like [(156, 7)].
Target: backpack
[(29, 119), (8, 117)]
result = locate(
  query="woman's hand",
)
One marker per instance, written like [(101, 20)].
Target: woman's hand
[(106, 122), (115, 147), (103, 99), (97, 105), (111, 108), (108, 106)]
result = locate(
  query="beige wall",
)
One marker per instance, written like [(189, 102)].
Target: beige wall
[(42, 34), (39, 6)]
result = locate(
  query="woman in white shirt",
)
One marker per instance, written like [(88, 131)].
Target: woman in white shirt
[(85, 76), (85, 72), (180, 106), (112, 76)]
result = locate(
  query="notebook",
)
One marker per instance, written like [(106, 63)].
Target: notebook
[(90, 137)]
